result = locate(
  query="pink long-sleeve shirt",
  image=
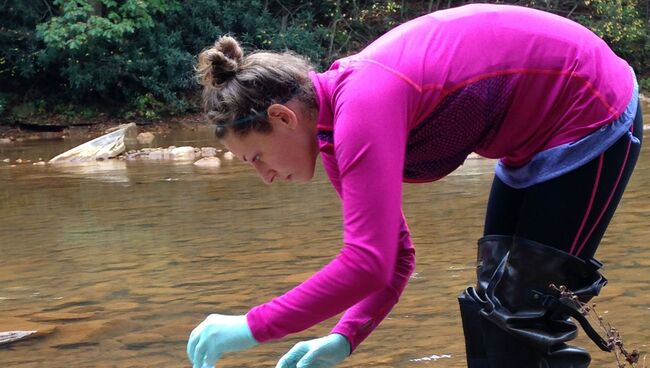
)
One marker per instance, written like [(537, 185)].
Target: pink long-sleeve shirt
[(503, 81)]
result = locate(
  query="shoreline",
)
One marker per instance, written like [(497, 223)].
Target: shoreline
[(97, 126)]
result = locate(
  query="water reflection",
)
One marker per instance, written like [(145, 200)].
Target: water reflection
[(123, 268), (109, 171)]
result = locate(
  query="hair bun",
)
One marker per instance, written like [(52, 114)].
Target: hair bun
[(220, 63), (230, 48)]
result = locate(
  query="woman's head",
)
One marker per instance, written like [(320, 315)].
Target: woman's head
[(263, 105)]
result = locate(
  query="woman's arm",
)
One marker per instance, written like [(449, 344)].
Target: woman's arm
[(361, 319), (369, 144)]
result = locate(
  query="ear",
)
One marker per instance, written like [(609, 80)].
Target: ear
[(281, 114)]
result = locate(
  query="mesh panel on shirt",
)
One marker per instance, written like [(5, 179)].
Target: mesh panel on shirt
[(463, 121)]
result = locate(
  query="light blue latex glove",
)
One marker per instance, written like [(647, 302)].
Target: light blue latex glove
[(216, 335), (324, 352)]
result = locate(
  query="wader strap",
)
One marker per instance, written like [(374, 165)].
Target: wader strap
[(566, 306)]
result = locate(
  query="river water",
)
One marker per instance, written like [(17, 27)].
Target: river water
[(124, 260)]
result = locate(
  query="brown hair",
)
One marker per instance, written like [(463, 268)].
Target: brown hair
[(238, 89)]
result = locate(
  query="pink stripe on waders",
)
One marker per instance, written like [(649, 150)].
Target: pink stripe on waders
[(591, 202), (611, 195)]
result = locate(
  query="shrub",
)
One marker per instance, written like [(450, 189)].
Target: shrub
[(134, 55)]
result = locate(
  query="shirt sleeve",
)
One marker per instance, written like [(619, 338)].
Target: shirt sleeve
[(361, 319), (371, 117)]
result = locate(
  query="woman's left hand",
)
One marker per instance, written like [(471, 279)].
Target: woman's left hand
[(324, 352), (216, 335)]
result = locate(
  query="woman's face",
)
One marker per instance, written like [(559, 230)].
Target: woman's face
[(288, 152)]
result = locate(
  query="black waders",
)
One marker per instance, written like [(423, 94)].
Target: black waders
[(514, 319)]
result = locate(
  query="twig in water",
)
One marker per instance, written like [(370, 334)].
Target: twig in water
[(623, 357)]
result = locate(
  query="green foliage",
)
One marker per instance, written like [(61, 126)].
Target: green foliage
[(74, 113), (5, 100), (98, 53), (18, 44), (620, 24), (644, 84), (148, 107), (623, 24), (135, 57), (78, 24), (268, 25)]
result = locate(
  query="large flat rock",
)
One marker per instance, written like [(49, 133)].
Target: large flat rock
[(19, 330)]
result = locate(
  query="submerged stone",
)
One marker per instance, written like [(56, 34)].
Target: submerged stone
[(61, 316), (209, 162), (182, 153), (145, 138), (208, 151)]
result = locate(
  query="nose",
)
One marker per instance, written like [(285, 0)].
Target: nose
[(266, 173)]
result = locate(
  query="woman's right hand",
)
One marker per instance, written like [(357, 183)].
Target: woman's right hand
[(216, 335), (324, 352)]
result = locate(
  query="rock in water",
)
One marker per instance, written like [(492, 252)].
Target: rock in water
[(8, 337), (209, 162), (208, 151), (182, 153), (145, 138), (107, 146)]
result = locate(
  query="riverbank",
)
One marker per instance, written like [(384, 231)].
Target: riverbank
[(97, 126)]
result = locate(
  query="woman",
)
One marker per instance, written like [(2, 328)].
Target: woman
[(542, 94)]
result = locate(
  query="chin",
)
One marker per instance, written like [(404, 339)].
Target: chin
[(305, 173), (304, 177)]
